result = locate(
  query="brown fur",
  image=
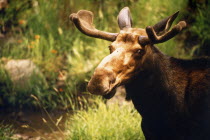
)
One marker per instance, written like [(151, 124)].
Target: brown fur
[(173, 97)]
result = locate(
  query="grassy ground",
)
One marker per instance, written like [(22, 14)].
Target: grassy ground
[(6, 132), (102, 122)]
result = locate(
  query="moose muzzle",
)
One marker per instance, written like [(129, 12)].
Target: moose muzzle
[(101, 83)]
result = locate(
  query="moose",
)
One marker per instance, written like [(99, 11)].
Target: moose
[(172, 95)]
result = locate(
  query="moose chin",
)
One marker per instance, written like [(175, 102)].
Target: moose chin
[(172, 95)]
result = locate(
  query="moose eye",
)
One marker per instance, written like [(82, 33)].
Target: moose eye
[(139, 51)]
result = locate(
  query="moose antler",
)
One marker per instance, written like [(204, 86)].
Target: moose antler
[(83, 20), (159, 32)]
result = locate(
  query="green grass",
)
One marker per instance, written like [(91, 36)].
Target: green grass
[(102, 122), (6, 132)]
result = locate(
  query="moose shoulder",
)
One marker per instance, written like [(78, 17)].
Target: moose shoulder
[(172, 95)]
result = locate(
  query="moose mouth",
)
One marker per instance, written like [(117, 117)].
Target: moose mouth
[(103, 82), (110, 94), (99, 89)]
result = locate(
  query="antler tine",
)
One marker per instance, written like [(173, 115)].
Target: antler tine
[(83, 20), (153, 38)]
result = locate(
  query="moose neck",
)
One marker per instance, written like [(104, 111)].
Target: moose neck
[(152, 88)]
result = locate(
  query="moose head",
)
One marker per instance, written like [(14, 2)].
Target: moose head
[(130, 50)]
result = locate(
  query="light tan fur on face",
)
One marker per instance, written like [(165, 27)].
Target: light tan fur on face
[(121, 65)]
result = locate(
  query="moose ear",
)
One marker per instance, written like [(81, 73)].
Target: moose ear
[(124, 18), (165, 24)]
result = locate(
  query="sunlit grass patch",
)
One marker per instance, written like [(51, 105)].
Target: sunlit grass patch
[(102, 122)]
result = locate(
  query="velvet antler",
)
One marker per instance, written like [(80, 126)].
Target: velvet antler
[(160, 32), (83, 20)]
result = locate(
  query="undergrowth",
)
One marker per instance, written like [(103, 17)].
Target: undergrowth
[(6, 131), (102, 122)]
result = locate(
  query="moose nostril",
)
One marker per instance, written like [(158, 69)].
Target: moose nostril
[(98, 85), (101, 81), (112, 79)]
